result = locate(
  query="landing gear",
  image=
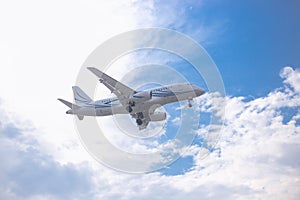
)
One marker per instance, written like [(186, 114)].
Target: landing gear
[(139, 121), (130, 105), (190, 103), (139, 118), (129, 109)]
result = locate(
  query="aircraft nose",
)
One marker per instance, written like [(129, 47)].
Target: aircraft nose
[(198, 91)]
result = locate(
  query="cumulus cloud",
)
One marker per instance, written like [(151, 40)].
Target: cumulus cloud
[(291, 77), (256, 158), (258, 147), (28, 173)]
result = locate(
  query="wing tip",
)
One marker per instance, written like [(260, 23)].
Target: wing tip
[(95, 71), (59, 99)]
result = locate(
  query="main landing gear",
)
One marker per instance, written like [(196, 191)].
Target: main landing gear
[(139, 119), (130, 105), (129, 109)]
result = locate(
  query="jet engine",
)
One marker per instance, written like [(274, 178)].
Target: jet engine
[(158, 116), (141, 96)]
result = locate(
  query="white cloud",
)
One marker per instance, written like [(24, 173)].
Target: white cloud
[(291, 77), (257, 149), (256, 158), (178, 17), (42, 48), (28, 173), (176, 121), (43, 45)]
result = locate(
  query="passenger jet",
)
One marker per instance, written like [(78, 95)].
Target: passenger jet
[(141, 105)]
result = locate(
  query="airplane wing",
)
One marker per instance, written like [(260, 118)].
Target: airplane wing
[(122, 91)]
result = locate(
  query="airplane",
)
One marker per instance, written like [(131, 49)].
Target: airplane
[(141, 105)]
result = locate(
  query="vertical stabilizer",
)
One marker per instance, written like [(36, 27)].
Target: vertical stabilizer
[(80, 97)]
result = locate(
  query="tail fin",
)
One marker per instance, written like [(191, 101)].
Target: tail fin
[(80, 97)]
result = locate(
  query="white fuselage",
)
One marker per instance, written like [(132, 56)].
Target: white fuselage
[(159, 97)]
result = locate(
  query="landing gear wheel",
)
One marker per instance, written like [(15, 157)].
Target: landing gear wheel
[(190, 103), (139, 122), (129, 109), (131, 103)]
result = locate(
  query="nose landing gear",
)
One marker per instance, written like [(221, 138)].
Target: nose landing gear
[(190, 102)]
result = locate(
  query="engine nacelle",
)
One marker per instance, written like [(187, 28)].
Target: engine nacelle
[(141, 96), (158, 116)]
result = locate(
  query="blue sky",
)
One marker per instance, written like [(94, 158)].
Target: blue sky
[(251, 42), (255, 45), (259, 38)]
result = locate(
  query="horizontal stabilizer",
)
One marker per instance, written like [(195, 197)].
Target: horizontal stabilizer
[(69, 104)]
